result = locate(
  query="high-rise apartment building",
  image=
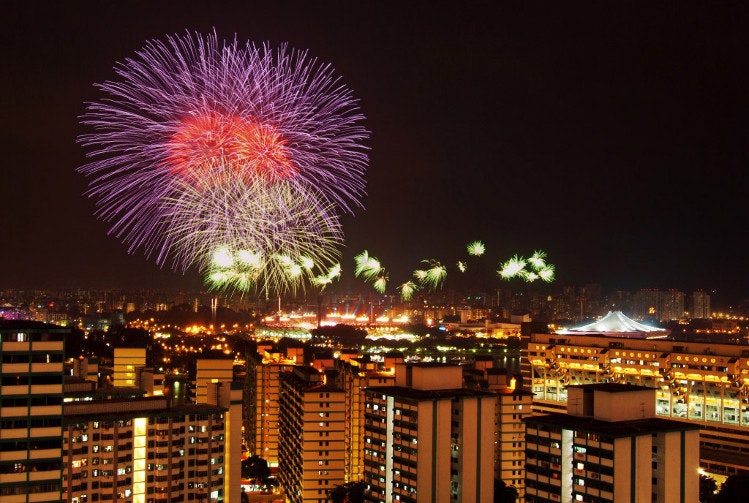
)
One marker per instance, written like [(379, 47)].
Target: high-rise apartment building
[(428, 438), (661, 305), (353, 376), (312, 422), (513, 405), (261, 398), (142, 450), (610, 447), (31, 395), (699, 304), (704, 384)]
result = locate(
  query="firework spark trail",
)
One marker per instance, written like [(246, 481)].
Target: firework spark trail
[(186, 111), (287, 255), (271, 219)]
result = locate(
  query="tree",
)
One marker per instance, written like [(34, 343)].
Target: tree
[(256, 468), (504, 493), (734, 489), (351, 492), (707, 489)]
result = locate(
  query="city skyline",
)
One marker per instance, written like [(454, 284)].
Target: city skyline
[(610, 137)]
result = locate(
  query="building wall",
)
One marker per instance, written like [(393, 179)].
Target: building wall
[(423, 446), (703, 383), (352, 379), (31, 366), (428, 377), (475, 458), (262, 392), (126, 363), (312, 422), (139, 450), (433, 431), (211, 371), (509, 463), (675, 474)]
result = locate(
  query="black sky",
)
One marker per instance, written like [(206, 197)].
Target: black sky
[(613, 135)]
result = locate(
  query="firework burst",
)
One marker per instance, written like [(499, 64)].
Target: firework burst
[(270, 233), (407, 290), (512, 267), (367, 267), (539, 268), (195, 116), (476, 248), (434, 276)]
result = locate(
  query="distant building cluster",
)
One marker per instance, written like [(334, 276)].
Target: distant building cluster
[(101, 309)]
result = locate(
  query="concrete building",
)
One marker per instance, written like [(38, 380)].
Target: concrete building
[(210, 371), (86, 368), (429, 439), (513, 405), (610, 447), (312, 423), (31, 395), (261, 398), (142, 450), (126, 364), (660, 305), (699, 304), (705, 384), (353, 376)]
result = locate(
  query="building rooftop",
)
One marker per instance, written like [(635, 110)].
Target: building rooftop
[(614, 429), (614, 322), (419, 394), (28, 325), (132, 407)]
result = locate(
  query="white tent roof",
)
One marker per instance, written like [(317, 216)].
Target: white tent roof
[(615, 321)]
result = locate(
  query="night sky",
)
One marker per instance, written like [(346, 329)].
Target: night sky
[(612, 135)]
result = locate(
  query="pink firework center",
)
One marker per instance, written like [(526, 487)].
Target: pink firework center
[(243, 144)]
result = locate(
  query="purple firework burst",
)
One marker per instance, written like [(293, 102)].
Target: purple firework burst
[(193, 106)]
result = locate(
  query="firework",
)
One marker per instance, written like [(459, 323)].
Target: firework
[(528, 276), (432, 277), (462, 267), (367, 267), (539, 269), (538, 260), (380, 283), (194, 116), (271, 231), (476, 248), (323, 280), (512, 267), (546, 273), (407, 290), (420, 275)]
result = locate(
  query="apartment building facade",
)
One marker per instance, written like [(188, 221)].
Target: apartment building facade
[(31, 396), (429, 439), (609, 447)]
